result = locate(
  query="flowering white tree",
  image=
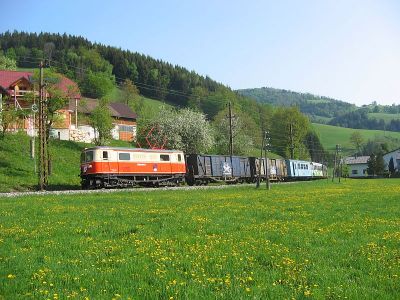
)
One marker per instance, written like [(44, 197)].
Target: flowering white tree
[(183, 129)]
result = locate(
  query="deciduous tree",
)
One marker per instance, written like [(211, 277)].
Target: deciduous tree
[(282, 136), (183, 129), (130, 95), (7, 63), (357, 140), (101, 120)]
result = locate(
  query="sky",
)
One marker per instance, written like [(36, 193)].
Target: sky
[(348, 50)]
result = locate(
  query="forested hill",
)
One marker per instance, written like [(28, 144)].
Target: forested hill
[(317, 107), (77, 58)]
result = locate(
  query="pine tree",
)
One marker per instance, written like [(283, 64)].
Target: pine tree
[(371, 165), (380, 164), (391, 166)]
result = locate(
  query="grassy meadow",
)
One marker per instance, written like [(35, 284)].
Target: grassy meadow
[(317, 240), (332, 135)]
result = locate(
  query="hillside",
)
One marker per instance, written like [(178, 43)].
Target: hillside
[(318, 108), (332, 135), (386, 117)]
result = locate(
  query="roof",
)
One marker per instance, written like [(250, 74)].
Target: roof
[(7, 78), (131, 149), (396, 150), (356, 160), (122, 110), (69, 86), (117, 109)]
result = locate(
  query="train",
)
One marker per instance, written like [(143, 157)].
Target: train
[(119, 167)]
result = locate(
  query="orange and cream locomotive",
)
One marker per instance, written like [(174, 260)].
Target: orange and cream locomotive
[(122, 167)]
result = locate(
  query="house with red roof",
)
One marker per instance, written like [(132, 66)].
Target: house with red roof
[(15, 85)]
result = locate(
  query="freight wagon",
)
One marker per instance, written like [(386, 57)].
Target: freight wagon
[(203, 169)]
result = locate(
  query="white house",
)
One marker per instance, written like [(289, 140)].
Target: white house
[(395, 155), (357, 166)]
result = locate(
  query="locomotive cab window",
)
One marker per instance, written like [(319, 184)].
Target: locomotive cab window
[(124, 156), (179, 157), (105, 155), (164, 157), (89, 156)]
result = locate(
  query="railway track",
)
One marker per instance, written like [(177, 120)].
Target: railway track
[(134, 190)]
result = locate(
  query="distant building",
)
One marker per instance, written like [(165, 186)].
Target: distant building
[(14, 85), (124, 121), (395, 155), (357, 166)]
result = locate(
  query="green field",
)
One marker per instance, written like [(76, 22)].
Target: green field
[(386, 117), (332, 135), (320, 240)]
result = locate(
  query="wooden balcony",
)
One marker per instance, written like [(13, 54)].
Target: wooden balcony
[(22, 93)]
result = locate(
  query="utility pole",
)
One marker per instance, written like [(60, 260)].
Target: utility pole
[(291, 141), (261, 154), (340, 162), (230, 135), (43, 162), (1, 106), (335, 162), (230, 131), (260, 163), (267, 145)]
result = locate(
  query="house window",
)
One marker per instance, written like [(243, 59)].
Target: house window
[(126, 128), (164, 157), (354, 172), (105, 155), (124, 156)]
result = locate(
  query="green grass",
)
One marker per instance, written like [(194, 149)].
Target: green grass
[(319, 240), (332, 135), (17, 169), (150, 105), (27, 69), (386, 117)]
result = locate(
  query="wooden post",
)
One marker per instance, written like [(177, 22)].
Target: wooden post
[(76, 113), (266, 148), (260, 164), (1, 107), (43, 161)]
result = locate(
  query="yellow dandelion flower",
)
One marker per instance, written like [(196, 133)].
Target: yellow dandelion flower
[(11, 276)]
